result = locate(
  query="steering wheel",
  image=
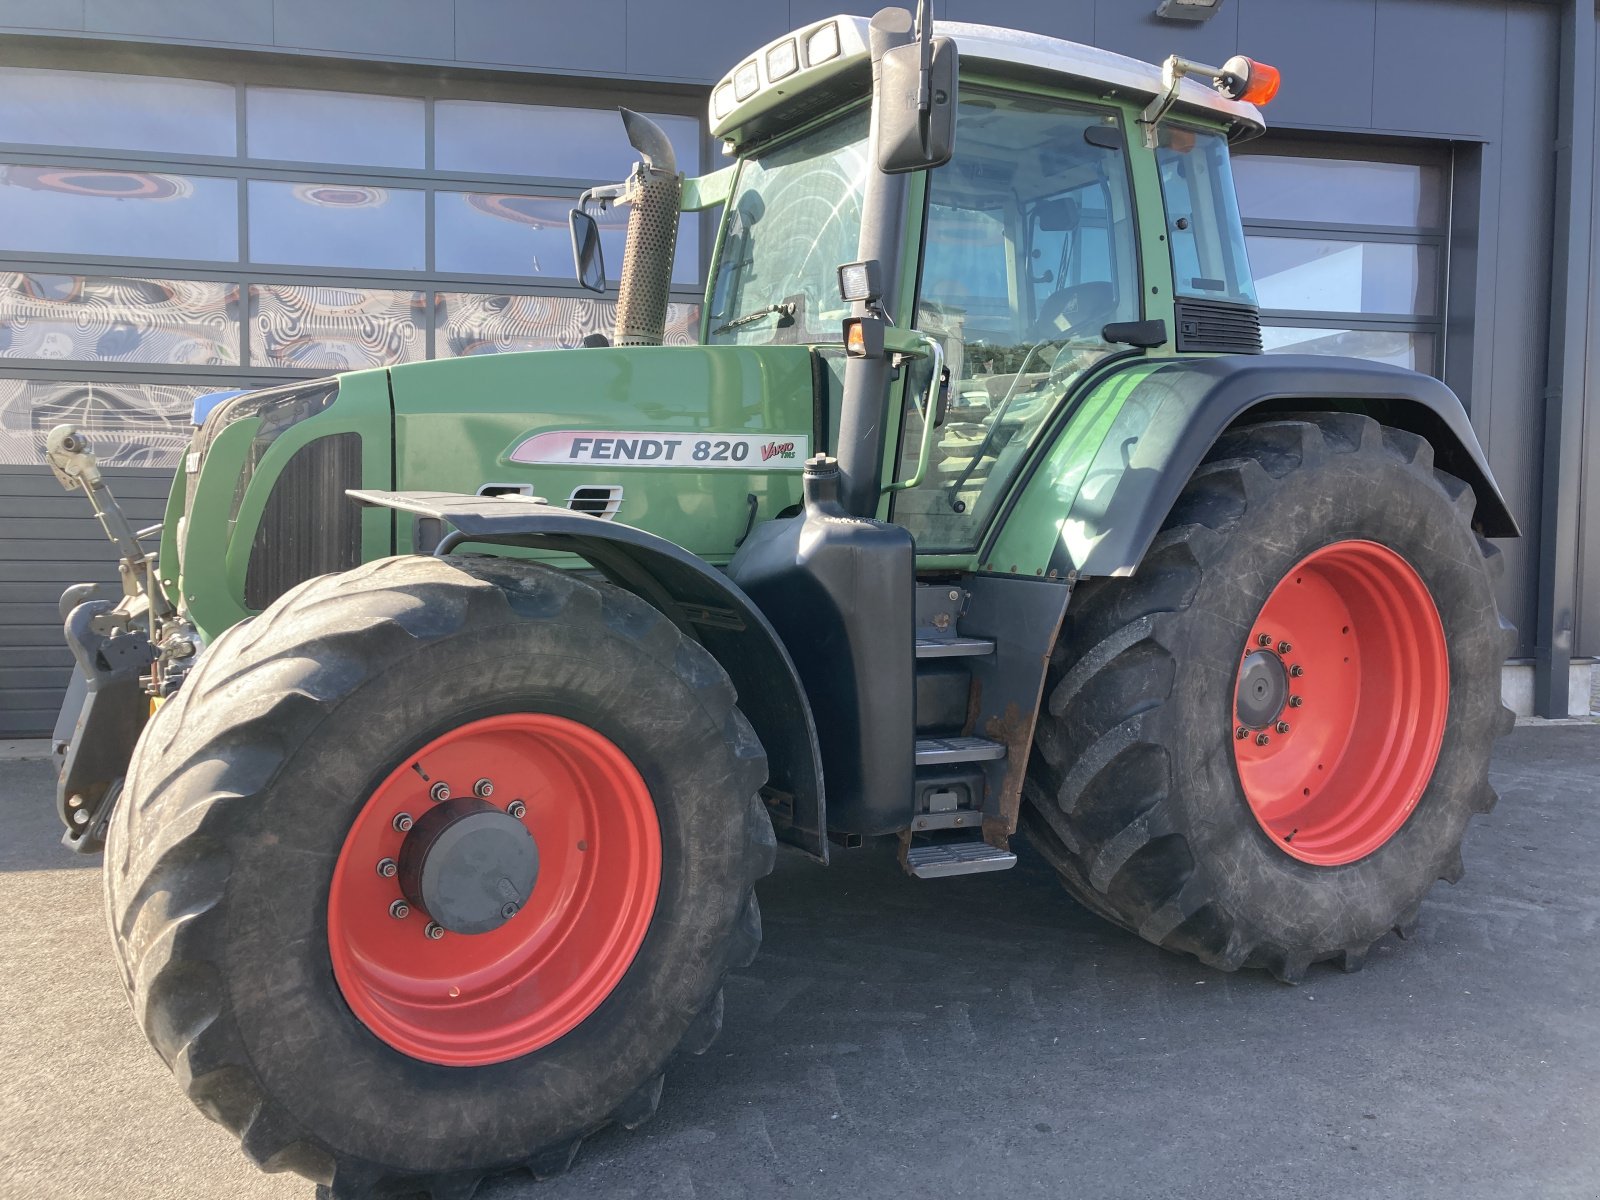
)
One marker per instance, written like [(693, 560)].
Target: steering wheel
[(1083, 307)]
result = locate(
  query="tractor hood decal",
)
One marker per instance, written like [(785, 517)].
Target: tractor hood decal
[(698, 451)]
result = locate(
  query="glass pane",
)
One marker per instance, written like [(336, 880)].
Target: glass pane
[(335, 127), (71, 210), (1339, 191), (1403, 349), (474, 323), (117, 112), (192, 322), (337, 225), (1030, 251), (794, 217), (127, 424), (477, 233), (1329, 275), (1208, 255), (335, 328), (479, 138)]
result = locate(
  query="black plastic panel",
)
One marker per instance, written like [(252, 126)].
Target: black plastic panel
[(1216, 327)]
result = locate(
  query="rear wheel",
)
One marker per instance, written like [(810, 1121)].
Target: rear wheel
[(1264, 747), (428, 871)]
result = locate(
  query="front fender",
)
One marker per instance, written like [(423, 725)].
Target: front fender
[(697, 597), (1111, 471)]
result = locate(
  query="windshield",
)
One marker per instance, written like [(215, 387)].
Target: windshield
[(794, 217)]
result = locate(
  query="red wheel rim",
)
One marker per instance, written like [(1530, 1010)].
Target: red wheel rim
[(472, 999), (1333, 771)]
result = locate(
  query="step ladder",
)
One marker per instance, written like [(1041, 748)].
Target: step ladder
[(946, 828)]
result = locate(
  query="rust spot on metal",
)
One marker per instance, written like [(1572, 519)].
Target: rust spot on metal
[(1015, 730)]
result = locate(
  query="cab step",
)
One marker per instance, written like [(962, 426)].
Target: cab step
[(953, 647), (937, 751), (943, 859)]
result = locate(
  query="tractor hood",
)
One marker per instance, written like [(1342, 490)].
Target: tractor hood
[(692, 443)]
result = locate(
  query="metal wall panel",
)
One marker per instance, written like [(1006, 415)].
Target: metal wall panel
[(47, 543), (543, 33)]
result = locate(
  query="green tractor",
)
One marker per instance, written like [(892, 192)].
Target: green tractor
[(438, 751)]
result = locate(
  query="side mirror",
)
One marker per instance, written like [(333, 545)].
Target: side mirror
[(589, 262), (916, 129)]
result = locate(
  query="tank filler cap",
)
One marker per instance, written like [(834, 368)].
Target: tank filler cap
[(821, 480)]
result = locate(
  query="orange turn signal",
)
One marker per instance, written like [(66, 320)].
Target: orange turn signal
[(1261, 85)]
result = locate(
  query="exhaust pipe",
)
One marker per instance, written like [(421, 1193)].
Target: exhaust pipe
[(653, 191)]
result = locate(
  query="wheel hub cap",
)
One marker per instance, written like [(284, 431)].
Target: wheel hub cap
[(468, 865), (1263, 689)]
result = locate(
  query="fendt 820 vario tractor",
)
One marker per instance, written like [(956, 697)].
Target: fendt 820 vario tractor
[(437, 751)]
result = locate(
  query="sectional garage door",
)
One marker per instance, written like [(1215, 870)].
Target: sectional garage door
[(47, 544)]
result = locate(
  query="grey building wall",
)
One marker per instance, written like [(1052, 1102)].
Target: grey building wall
[(1478, 75)]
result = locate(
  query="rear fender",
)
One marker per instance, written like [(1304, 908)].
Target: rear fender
[(697, 597), (1093, 501)]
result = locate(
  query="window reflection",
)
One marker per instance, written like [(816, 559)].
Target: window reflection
[(1399, 347), (128, 424), (1334, 275), (117, 112), (1339, 191), (295, 125), (337, 225), (482, 138), (150, 214), (335, 328), (189, 322), (482, 233), (475, 323)]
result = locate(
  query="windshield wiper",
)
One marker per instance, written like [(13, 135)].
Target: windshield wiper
[(784, 310)]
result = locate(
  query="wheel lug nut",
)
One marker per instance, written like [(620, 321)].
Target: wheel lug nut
[(399, 910), (1295, 701), (1297, 671), (402, 821), (1283, 727), (483, 789), (508, 910), (1241, 733), (1284, 647), (517, 809), (1264, 640), (439, 792), (386, 868), (1262, 739), (435, 931)]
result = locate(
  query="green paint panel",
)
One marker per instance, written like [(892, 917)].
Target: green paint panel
[(702, 429), (1075, 465)]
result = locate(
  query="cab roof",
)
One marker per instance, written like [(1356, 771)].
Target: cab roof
[(802, 74)]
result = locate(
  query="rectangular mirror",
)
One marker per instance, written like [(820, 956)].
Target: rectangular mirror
[(908, 138), (587, 258)]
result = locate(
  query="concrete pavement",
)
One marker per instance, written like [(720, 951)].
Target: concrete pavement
[(973, 1037)]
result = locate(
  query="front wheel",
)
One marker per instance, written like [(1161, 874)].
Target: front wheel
[(428, 871), (1264, 748)]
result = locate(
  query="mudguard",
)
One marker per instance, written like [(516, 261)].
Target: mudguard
[(697, 597), (1125, 448)]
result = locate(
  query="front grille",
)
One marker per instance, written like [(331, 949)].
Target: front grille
[(1217, 327), (309, 526)]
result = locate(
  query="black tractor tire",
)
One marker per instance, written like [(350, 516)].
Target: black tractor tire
[(1132, 792), (240, 796)]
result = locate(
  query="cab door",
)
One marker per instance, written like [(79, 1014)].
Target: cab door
[(1030, 250)]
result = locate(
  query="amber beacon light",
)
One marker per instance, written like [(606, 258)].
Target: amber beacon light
[(1245, 79)]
